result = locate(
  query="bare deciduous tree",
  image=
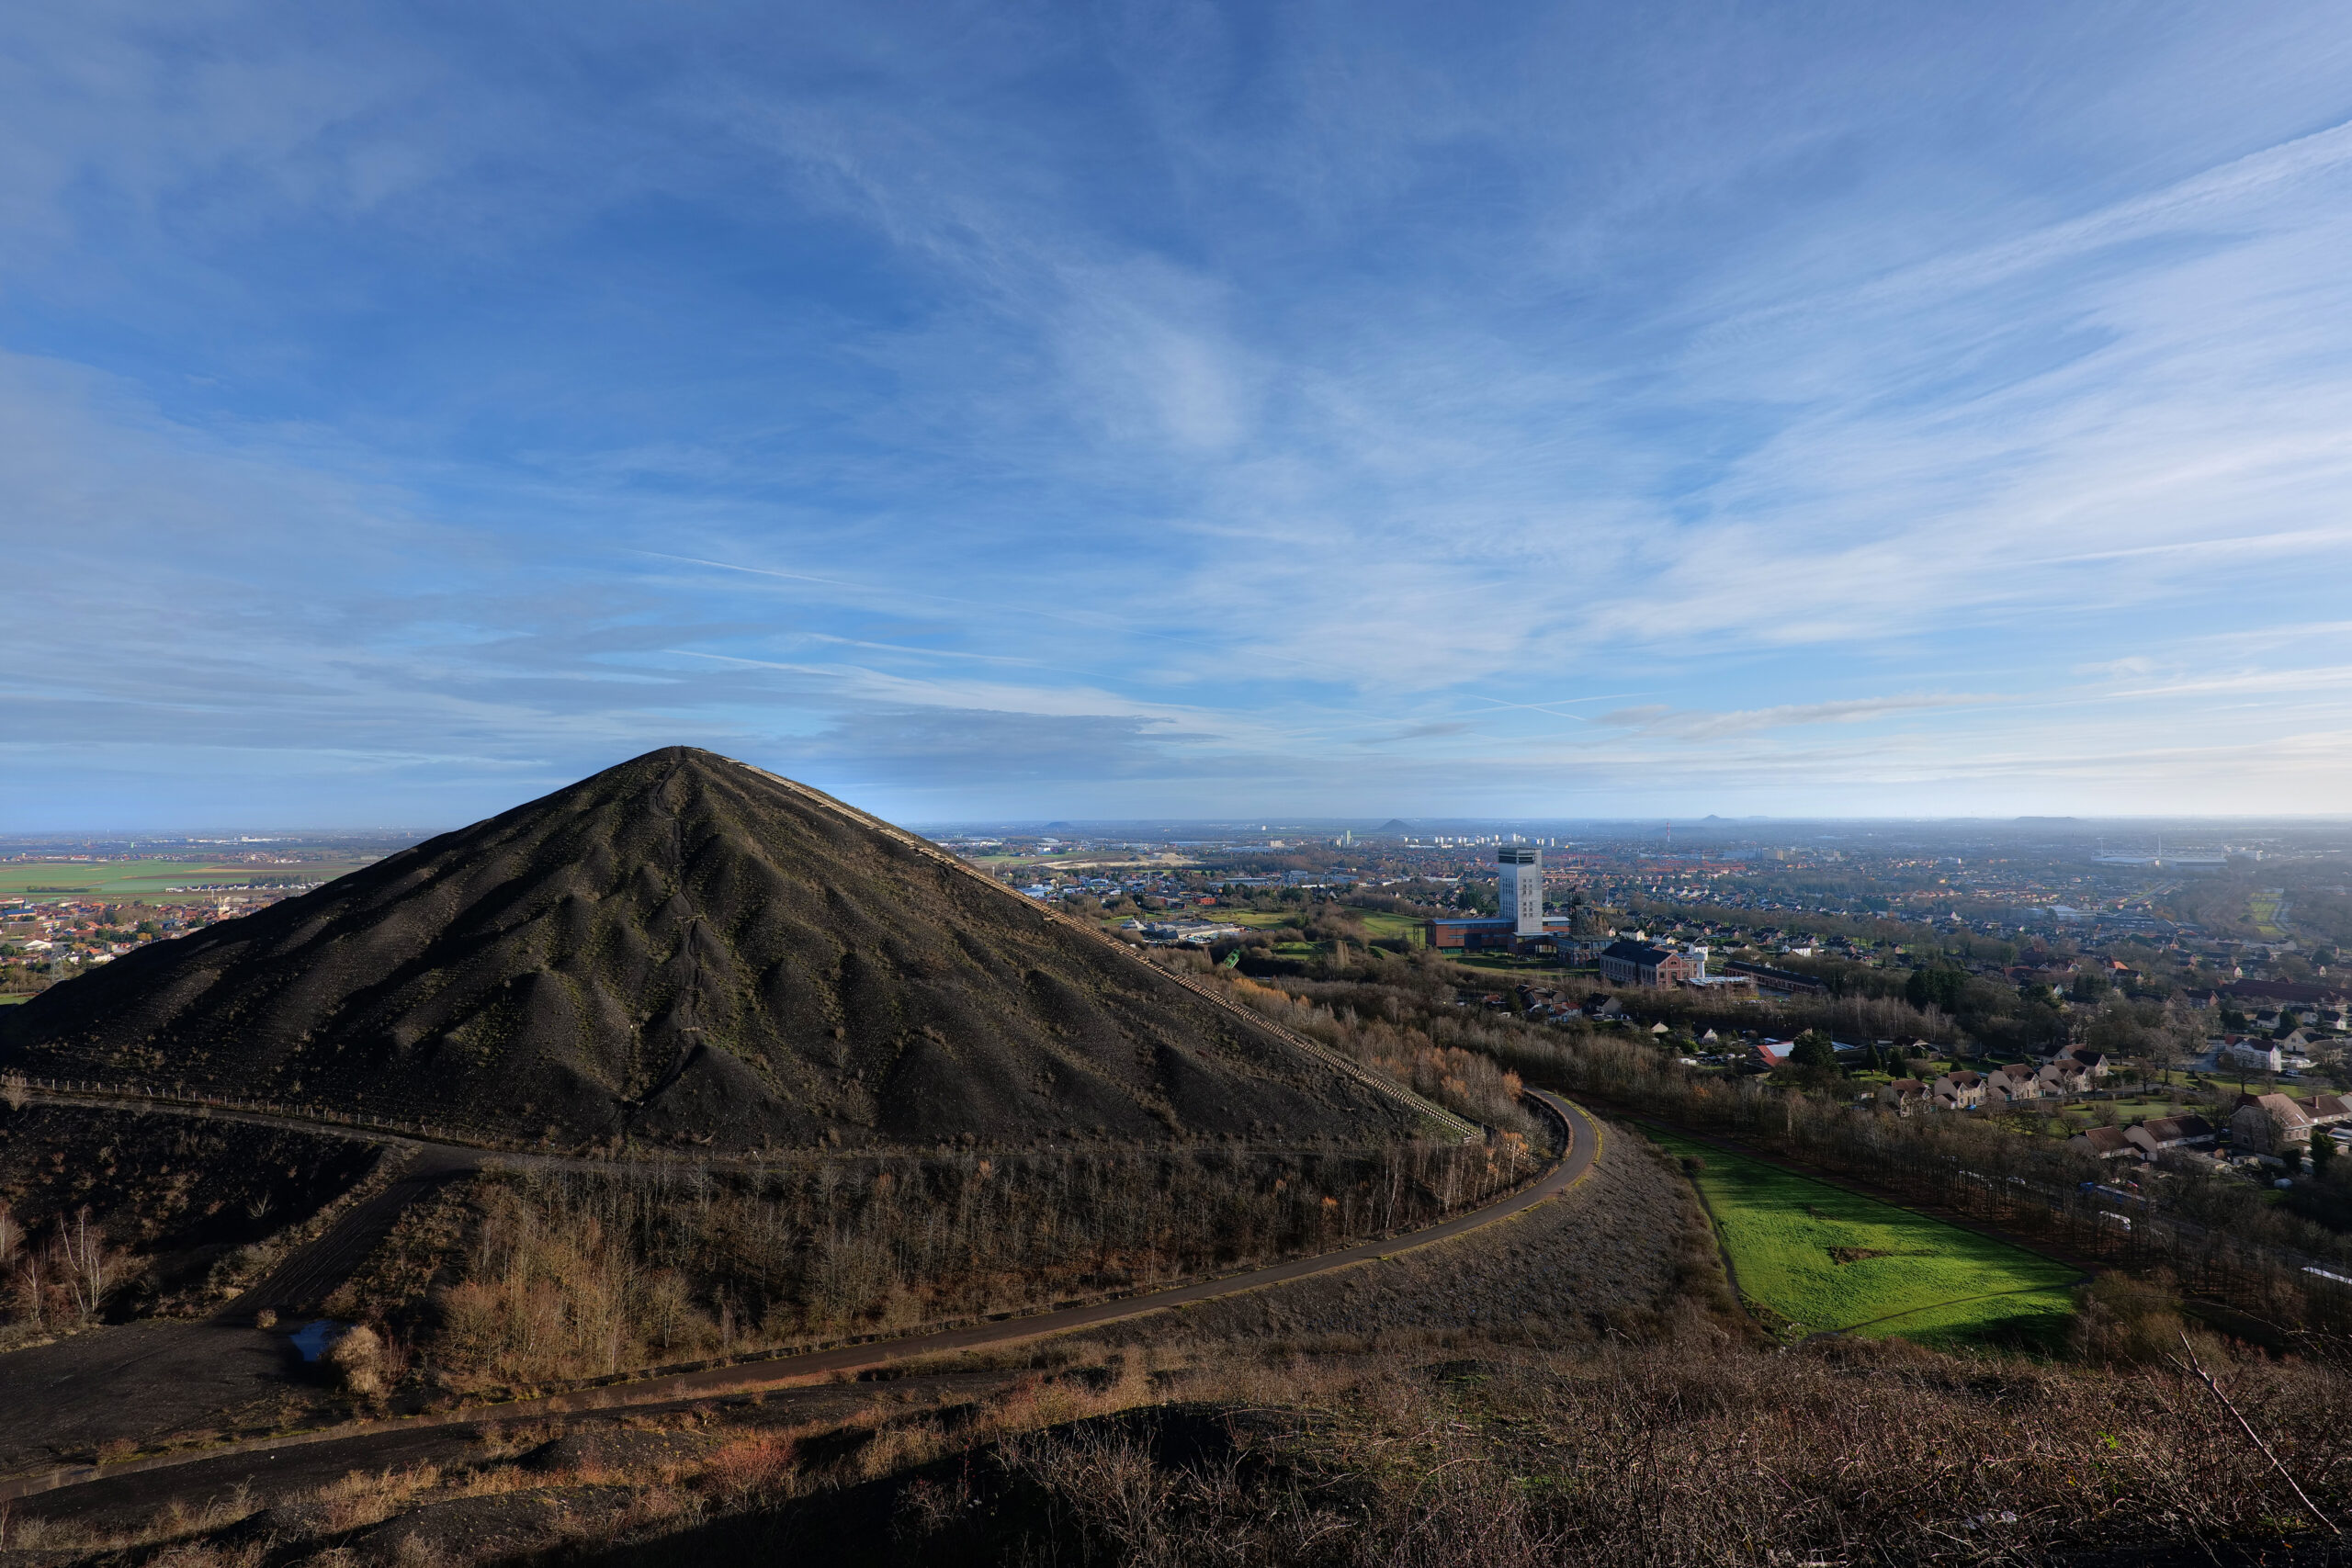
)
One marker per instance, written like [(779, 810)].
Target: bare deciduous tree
[(90, 1268)]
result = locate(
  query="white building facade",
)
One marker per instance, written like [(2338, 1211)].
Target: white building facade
[(1519, 873)]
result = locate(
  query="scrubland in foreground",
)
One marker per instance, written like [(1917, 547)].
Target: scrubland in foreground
[(1693, 1446), (537, 1277), (1574, 1386)]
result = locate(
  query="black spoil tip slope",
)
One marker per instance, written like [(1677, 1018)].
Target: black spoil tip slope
[(687, 950)]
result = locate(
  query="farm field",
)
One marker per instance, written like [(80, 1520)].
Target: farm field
[(1820, 1259), (149, 878)]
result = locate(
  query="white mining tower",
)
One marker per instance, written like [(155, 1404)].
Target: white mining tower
[(1520, 871)]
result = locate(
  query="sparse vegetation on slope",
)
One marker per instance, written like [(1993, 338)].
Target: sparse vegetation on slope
[(547, 1276), (189, 1209)]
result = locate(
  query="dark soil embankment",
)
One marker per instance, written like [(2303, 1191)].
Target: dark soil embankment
[(184, 1197), (146, 1385), (683, 948)]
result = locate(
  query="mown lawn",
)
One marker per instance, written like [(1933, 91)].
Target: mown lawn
[(1817, 1259)]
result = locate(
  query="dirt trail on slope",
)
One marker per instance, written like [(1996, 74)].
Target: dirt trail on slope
[(174, 1355)]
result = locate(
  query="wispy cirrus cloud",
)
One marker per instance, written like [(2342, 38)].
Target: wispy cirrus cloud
[(1701, 724), (1286, 420)]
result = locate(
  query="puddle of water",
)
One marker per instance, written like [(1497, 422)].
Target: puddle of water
[(314, 1339)]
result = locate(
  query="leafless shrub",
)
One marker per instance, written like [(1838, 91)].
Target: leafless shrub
[(753, 1465), (572, 1274), (358, 1360)]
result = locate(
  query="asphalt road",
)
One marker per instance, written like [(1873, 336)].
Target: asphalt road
[(1583, 1138)]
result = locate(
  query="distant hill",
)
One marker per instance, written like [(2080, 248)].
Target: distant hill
[(684, 948)]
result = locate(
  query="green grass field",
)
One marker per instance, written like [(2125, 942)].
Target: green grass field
[(1381, 923), (148, 878), (12, 1000), (1901, 1272), (2263, 909), (2142, 1109)]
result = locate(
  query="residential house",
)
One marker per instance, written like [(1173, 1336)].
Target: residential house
[(2063, 1076), (2013, 1081), (2268, 1123), (2105, 1143), (1957, 1090), (2154, 1136), (2254, 1056), (2329, 1110), (1904, 1094)]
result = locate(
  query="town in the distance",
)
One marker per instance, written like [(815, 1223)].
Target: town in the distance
[(2088, 974)]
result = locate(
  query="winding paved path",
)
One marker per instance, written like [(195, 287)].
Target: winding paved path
[(1583, 1136)]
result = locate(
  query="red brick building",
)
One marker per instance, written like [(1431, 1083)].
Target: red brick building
[(1638, 964)]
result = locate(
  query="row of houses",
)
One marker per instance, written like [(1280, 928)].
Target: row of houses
[(1964, 1088), (2146, 1139), (2272, 1124)]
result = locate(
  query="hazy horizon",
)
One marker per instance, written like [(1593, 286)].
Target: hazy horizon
[(2078, 826)]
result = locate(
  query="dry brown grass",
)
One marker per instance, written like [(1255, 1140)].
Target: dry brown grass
[(1689, 1450), (1684, 1454)]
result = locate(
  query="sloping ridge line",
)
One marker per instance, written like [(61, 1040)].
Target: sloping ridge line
[(1470, 1133), (1580, 1153)]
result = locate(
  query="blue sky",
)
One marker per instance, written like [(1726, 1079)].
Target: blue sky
[(1035, 411)]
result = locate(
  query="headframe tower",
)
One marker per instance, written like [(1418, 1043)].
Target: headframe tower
[(1519, 870)]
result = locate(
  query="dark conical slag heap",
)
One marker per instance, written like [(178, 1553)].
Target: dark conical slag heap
[(687, 949)]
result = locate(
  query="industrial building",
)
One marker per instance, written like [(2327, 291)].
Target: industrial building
[(1639, 963), (1521, 927)]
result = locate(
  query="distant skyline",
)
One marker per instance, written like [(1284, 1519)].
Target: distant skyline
[(1185, 412)]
